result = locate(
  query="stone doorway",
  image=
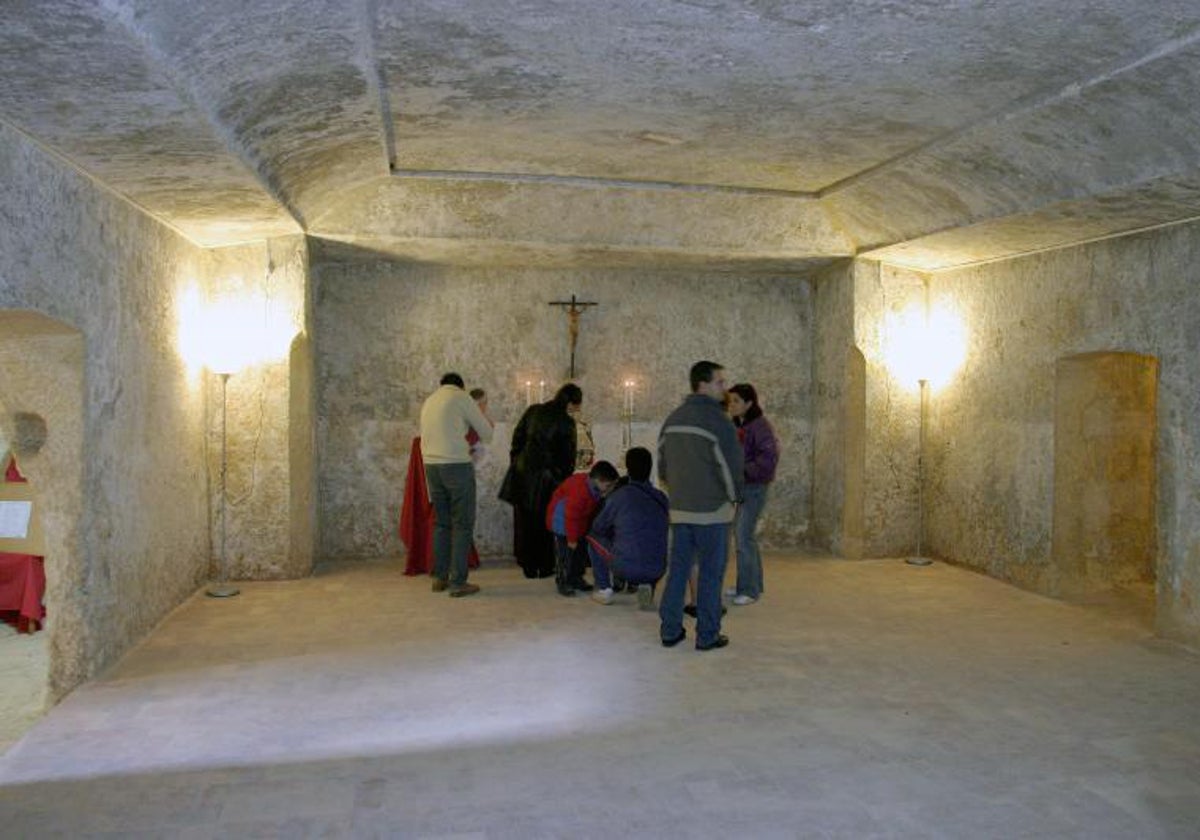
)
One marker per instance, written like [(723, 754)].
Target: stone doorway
[(41, 406), (1105, 475)]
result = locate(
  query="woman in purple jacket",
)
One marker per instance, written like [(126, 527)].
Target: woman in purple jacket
[(761, 450)]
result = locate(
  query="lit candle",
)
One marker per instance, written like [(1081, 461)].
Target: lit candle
[(629, 397), (528, 392), (542, 391)]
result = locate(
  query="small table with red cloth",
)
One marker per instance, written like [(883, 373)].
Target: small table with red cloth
[(22, 585), (22, 578), (417, 519)]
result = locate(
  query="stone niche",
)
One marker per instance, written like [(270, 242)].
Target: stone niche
[(1104, 472)]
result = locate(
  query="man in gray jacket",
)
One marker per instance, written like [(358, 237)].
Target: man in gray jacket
[(700, 460)]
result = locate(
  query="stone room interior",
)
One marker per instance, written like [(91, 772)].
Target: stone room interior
[(955, 246)]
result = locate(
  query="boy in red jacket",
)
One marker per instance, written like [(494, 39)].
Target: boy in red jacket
[(568, 517)]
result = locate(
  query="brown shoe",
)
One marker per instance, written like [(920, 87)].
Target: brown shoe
[(463, 590), (440, 585)]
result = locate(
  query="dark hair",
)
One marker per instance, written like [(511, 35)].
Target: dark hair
[(477, 394), (569, 394), (746, 391), (452, 379), (702, 372), (638, 462), (603, 471)]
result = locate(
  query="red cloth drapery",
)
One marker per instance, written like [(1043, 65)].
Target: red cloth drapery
[(22, 579), (22, 583), (416, 519)]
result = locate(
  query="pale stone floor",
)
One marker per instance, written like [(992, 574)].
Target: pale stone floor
[(24, 666), (857, 700)]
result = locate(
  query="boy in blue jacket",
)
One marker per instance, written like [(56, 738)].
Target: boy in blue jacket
[(629, 536)]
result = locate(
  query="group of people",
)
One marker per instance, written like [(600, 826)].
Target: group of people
[(717, 455)]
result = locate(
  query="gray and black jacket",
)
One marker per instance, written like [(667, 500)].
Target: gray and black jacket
[(700, 460)]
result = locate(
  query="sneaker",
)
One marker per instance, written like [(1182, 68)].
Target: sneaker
[(440, 584), (744, 600), (603, 596), (645, 598), (715, 644), (730, 591), (581, 585), (566, 590), (463, 590)]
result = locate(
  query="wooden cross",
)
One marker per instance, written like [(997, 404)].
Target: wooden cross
[(574, 309)]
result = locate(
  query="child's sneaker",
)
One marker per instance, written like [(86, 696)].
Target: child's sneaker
[(645, 598), (603, 596)]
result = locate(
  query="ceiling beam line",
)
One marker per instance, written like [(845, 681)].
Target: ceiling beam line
[(124, 18), (373, 71), (1018, 107), (592, 183)]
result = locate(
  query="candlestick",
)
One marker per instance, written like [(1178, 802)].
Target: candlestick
[(627, 416)]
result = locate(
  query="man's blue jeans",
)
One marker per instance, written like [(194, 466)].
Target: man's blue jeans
[(452, 493), (749, 558), (704, 545)]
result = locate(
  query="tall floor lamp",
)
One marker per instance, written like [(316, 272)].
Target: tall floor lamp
[(920, 559), (221, 588)]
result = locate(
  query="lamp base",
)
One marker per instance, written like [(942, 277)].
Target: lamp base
[(918, 561), (222, 590)]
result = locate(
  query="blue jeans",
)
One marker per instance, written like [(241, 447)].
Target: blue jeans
[(690, 545), (602, 559), (570, 562), (749, 558), (605, 564), (452, 492)]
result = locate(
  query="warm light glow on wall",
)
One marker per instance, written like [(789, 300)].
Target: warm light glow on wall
[(232, 331), (919, 347)]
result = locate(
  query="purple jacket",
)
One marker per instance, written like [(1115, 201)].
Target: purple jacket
[(761, 450)]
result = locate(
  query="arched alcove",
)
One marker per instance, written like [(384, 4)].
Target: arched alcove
[(1105, 472), (41, 385)]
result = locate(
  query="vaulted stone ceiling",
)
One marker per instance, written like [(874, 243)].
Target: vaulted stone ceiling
[(769, 135)]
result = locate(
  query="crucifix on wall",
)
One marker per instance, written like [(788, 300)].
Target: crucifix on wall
[(574, 308)]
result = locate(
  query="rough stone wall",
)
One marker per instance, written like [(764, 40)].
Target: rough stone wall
[(892, 411), (95, 263), (991, 440), (833, 338), (386, 331), (270, 472)]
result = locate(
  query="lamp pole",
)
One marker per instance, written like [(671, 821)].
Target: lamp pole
[(920, 559), (221, 588)]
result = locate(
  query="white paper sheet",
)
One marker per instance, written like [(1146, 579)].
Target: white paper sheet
[(14, 520)]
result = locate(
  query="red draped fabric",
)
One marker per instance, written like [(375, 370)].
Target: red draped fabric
[(22, 583), (416, 519), (22, 579), (11, 473)]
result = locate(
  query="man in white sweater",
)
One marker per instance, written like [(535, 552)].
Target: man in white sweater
[(446, 417)]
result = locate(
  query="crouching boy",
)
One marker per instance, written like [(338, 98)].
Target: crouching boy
[(629, 536), (568, 517)]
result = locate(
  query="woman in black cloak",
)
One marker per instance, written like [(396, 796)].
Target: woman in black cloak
[(541, 457)]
